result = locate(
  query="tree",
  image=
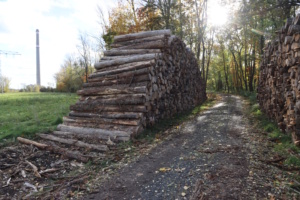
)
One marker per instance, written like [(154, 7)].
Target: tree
[(228, 54), (4, 84), (84, 50), (71, 75)]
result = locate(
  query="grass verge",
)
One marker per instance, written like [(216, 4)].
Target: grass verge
[(24, 114), (283, 144)]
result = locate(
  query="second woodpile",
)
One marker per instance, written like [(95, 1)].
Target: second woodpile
[(279, 79), (144, 78)]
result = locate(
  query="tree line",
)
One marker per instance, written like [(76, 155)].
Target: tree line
[(228, 55)]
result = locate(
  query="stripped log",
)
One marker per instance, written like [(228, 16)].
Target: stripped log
[(109, 115), (121, 61), (95, 107), (130, 122), (96, 133), (126, 52), (77, 143), (30, 142), (125, 68), (139, 41), (109, 91), (139, 35)]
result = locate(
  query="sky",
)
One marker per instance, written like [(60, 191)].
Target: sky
[(59, 22)]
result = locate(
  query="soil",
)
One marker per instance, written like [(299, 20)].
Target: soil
[(216, 155)]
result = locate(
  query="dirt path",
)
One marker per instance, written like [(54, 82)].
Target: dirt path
[(213, 156)]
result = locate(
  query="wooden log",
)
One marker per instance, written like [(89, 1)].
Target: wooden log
[(129, 122), (114, 127), (55, 149), (109, 115), (128, 83), (125, 68), (149, 71), (113, 91), (157, 44), (137, 77), (112, 58), (128, 129), (96, 107), (138, 41), (133, 99), (297, 20), (131, 130), (288, 40), (96, 133), (288, 23), (295, 46), (125, 52), (139, 35), (77, 143), (30, 142), (293, 29), (97, 85), (138, 58)]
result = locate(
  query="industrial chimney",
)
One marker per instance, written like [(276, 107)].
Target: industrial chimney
[(38, 73)]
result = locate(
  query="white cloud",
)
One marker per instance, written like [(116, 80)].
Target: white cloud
[(59, 23)]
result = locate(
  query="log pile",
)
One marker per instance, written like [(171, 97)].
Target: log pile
[(145, 77), (279, 76)]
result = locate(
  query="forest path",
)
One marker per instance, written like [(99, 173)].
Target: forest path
[(213, 156)]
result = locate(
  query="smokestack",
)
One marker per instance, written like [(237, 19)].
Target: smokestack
[(38, 74)]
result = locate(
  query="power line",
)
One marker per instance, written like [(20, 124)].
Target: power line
[(2, 52)]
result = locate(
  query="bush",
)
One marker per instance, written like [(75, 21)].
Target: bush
[(47, 89)]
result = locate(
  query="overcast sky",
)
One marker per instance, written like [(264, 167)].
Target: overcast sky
[(59, 23)]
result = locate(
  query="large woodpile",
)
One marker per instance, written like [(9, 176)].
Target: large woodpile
[(145, 77), (279, 86)]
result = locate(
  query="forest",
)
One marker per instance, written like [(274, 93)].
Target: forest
[(227, 36)]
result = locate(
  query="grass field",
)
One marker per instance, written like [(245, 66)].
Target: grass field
[(24, 114)]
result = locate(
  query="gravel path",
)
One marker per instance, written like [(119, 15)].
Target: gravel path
[(209, 157)]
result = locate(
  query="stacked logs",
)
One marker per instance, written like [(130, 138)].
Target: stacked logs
[(145, 77), (279, 86)]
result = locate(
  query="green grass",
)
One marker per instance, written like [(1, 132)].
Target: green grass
[(24, 114)]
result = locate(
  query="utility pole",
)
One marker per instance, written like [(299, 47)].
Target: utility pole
[(5, 53), (38, 70)]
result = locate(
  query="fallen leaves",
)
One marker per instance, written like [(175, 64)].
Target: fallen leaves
[(164, 169), (186, 187), (179, 170)]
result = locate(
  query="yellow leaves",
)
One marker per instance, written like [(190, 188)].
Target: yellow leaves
[(164, 169)]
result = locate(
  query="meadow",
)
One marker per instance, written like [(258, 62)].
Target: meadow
[(24, 114)]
